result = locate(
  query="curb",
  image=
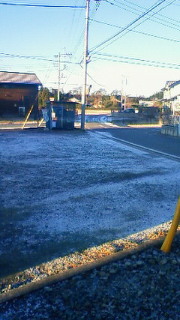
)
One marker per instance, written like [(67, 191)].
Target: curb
[(33, 286)]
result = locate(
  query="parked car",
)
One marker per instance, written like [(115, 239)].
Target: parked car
[(129, 110)]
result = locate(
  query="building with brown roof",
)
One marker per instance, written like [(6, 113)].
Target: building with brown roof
[(18, 92)]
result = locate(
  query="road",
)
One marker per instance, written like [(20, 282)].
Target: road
[(147, 137), (150, 138)]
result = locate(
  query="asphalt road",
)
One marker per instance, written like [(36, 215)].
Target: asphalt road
[(146, 137)]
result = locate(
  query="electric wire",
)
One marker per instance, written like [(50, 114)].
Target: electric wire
[(45, 59), (92, 14), (137, 61), (107, 57), (168, 4), (9, 55), (71, 30), (156, 20), (127, 26), (141, 10), (89, 76), (25, 57), (77, 22), (135, 31), (113, 38), (136, 5), (79, 29), (40, 5)]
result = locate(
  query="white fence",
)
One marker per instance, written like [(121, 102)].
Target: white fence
[(172, 127), (175, 120)]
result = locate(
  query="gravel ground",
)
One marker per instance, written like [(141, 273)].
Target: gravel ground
[(97, 176), (63, 192), (80, 258), (144, 285)]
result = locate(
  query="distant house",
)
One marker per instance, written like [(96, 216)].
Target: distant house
[(18, 92), (146, 103), (74, 100), (171, 96)]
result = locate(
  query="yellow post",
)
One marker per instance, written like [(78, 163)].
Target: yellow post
[(166, 247), (27, 117), (40, 122)]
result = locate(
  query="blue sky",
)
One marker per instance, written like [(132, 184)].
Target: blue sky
[(41, 33)]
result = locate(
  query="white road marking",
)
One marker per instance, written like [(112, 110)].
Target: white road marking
[(139, 146)]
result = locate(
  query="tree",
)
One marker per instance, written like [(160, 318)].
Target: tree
[(116, 93), (157, 96), (43, 97), (101, 92)]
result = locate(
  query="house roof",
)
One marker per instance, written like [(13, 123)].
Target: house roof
[(175, 83), (19, 78), (170, 84)]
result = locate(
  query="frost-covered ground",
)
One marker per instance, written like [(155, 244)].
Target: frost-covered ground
[(66, 191)]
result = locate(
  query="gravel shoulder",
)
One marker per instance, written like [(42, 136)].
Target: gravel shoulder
[(144, 285)]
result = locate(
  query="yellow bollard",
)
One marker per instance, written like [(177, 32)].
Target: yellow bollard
[(27, 117), (166, 247)]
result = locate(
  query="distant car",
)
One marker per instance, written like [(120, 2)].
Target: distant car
[(129, 110)]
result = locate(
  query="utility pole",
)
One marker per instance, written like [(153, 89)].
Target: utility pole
[(86, 58), (59, 71), (59, 78), (123, 92)]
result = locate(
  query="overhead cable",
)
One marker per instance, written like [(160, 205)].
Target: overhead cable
[(40, 5), (138, 59), (114, 37), (89, 76), (135, 31), (139, 63), (132, 60), (126, 27), (9, 55), (125, 6)]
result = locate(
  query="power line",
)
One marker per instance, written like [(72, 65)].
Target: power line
[(157, 20), (113, 38), (92, 13), (140, 32), (73, 28), (168, 4), (132, 60), (138, 10), (139, 59), (40, 5), (139, 63), (126, 27), (80, 36), (162, 15), (37, 58), (9, 55), (89, 76), (94, 10)]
